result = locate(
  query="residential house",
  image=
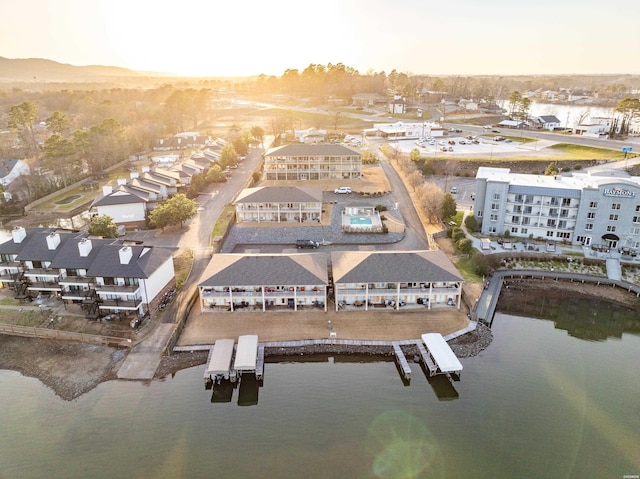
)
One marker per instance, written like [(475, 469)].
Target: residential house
[(126, 206), (367, 100), (545, 122), (398, 105), (12, 169), (598, 128), (310, 136), (379, 279), (262, 282), (512, 124), (312, 162), (279, 204)]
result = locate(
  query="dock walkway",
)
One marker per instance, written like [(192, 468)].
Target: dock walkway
[(426, 358), (405, 369)]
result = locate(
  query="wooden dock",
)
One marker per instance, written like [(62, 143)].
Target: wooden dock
[(404, 365), (260, 363), (426, 358)]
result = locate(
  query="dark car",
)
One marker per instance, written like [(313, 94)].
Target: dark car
[(300, 244)]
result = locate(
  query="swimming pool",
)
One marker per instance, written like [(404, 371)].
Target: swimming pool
[(360, 221)]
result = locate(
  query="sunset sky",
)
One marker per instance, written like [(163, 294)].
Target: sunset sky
[(215, 38)]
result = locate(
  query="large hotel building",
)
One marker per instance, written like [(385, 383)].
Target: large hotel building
[(581, 208)]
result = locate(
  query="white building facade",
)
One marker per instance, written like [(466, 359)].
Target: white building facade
[(600, 208)]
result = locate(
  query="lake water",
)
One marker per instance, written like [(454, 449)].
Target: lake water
[(538, 403)]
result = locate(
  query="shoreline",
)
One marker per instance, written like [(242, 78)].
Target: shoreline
[(71, 369)]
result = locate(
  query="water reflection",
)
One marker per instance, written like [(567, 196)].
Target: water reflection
[(592, 319)]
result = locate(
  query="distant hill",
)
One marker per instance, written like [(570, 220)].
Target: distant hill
[(41, 70)]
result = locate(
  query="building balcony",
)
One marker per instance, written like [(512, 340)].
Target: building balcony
[(117, 288), (130, 304), (81, 280), (44, 286), (48, 272)]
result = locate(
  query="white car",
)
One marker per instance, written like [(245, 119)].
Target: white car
[(343, 190)]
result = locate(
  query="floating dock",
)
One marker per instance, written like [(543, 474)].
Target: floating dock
[(219, 362), (426, 358), (405, 369), (442, 355)]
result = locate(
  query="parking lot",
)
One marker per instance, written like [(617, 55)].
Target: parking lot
[(486, 146)]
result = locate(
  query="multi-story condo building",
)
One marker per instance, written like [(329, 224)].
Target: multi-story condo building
[(102, 275), (582, 208), (279, 204), (312, 162)]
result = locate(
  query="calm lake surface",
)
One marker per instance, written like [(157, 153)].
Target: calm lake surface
[(538, 403)]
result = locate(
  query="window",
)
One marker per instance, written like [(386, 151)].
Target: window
[(517, 209), (524, 231), (637, 207), (564, 213), (588, 226), (611, 228), (496, 196), (635, 230), (566, 201), (593, 204), (591, 215), (528, 210), (636, 219), (514, 230), (526, 220), (515, 220), (495, 206), (562, 224), (550, 234), (613, 217), (564, 235), (492, 230), (493, 217), (553, 212), (615, 206), (551, 223), (580, 239), (519, 198), (529, 199), (480, 214)]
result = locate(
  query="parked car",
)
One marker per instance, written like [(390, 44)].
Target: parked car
[(451, 142), (487, 127), (343, 190), (450, 148), (303, 244), (495, 131), (454, 190)]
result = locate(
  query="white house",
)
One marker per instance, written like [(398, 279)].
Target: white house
[(125, 206), (545, 122), (11, 169)]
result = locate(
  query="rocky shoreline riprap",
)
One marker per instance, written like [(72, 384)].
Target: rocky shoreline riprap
[(465, 346)]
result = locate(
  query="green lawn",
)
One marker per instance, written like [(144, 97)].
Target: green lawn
[(587, 152)]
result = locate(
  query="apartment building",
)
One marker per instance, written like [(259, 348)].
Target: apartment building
[(312, 162), (102, 275)]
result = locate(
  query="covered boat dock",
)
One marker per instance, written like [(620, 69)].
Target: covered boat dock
[(246, 354), (442, 355), (219, 363)]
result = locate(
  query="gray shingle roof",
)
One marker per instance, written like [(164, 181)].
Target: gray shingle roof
[(145, 260), (68, 255), (10, 247), (276, 269), (393, 267), (119, 196), (36, 248), (301, 149), (280, 194)]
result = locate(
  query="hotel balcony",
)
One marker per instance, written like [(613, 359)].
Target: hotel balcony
[(79, 280), (48, 272)]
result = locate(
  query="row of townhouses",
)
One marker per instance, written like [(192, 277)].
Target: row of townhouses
[(101, 275), (581, 208), (349, 279)]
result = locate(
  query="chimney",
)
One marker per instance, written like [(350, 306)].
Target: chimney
[(18, 233), (125, 254), (122, 181), (133, 174), (107, 190), (84, 247), (53, 240), (145, 169)]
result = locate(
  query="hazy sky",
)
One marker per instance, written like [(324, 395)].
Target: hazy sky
[(249, 37)]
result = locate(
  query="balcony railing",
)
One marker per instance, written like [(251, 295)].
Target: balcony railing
[(121, 303), (117, 288)]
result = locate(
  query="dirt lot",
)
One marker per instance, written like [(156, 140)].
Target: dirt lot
[(69, 368)]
